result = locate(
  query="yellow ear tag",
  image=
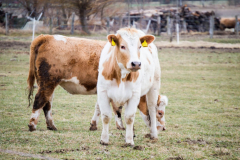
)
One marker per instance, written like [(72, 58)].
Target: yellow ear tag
[(113, 43), (144, 44)]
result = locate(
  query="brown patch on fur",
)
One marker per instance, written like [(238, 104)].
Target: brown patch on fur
[(159, 100), (93, 126), (133, 76), (143, 105), (106, 119), (111, 70), (34, 120), (129, 119), (150, 51), (148, 60)]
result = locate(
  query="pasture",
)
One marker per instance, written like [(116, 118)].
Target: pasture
[(202, 118)]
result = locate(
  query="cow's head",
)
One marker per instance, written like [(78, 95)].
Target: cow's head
[(160, 112), (128, 44)]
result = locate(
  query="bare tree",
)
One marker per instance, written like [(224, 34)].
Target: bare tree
[(33, 7), (85, 8)]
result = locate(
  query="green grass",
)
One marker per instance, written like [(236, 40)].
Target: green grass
[(202, 116), (225, 40)]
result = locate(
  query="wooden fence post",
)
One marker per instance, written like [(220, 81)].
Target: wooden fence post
[(211, 28), (202, 3), (72, 25), (236, 26), (108, 25), (6, 23), (121, 19), (50, 24), (177, 29), (184, 26), (168, 25), (34, 25), (159, 25)]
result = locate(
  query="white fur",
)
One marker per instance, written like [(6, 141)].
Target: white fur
[(73, 86), (60, 38), (124, 71), (96, 113), (145, 119), (35, 115)]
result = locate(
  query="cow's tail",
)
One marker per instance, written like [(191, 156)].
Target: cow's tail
[(37, 42)]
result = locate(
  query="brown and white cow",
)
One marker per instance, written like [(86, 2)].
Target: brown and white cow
[(56, 60), (128, 69)]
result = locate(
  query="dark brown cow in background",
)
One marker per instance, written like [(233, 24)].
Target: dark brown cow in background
[(227, 23)]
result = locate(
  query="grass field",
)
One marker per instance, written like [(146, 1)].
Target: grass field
[(203, 87)]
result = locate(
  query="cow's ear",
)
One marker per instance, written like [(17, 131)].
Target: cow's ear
[(112, 39), (146, 40)]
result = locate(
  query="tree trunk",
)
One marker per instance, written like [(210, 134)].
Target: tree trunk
[(82, 15)]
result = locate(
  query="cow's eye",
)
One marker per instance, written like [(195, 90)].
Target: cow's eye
[(122, 47), (140, 47)]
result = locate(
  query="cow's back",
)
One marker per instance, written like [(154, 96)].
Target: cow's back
[(73, 62)]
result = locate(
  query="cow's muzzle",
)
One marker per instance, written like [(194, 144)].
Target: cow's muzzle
[(135, 66)]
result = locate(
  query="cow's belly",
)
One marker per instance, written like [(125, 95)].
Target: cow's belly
[(74, 87)]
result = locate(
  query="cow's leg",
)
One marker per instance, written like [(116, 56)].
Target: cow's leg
[(152, 97), (106, 115), (130, 111), (118, 116), (95, 118), (144, 111), (48, 114), (42, 97)]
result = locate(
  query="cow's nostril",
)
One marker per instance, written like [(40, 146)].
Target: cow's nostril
[(139, 64), (133, 64)]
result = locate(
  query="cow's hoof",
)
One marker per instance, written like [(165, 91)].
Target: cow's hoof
[(128, 145), (52, 128), (147, 135), (103, 143), (93, 127), (154, 139), (31, 128), (121, 128)]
